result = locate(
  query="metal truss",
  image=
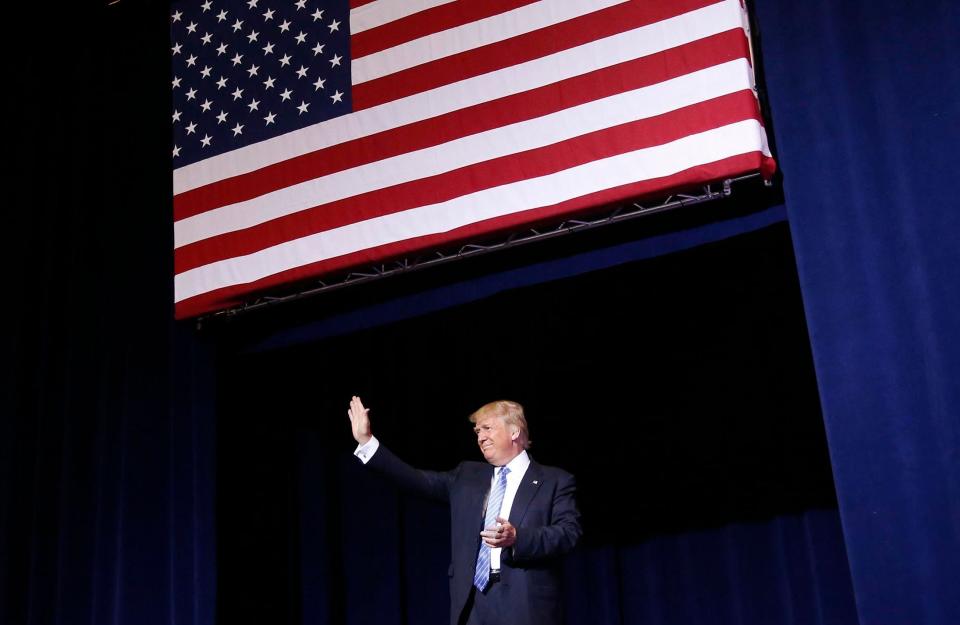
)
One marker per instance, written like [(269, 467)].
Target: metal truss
[(620, 213)]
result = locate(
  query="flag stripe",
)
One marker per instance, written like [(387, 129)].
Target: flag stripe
[(702, 148), (439, 18), (385, 11), (477, 34), (544, 130), (508, 169), (590, 57), (627, 76), (238, 293), (539, 43)]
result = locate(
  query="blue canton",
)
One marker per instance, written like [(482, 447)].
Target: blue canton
[(242, 72)]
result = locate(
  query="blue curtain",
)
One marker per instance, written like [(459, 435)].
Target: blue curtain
[(866, 106)]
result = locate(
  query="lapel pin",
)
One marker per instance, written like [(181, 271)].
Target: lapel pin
[(535, 482)]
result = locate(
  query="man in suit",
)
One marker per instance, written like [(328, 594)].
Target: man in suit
[(511, 519)]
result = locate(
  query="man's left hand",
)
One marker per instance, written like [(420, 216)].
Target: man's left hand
[(503, 535)]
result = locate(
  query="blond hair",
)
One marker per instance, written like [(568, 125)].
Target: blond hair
[(512, 414)]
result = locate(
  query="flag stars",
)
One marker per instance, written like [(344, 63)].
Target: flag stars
[(241, 25)]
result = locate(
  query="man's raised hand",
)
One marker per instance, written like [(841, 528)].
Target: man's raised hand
[(359, 421)]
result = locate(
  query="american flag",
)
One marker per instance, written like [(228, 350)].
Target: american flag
[(310, 137)]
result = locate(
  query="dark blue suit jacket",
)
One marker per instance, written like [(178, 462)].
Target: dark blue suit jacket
[(544, 512)]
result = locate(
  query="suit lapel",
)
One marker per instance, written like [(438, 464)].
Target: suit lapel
[(532, 480)]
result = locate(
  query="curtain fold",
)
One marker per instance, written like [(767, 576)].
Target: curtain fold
[(866, 105)]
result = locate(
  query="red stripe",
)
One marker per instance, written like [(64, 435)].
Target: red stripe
[(528, 105), (359, 3), (497, 172), (427, 22), (234, 295), (519, 49)]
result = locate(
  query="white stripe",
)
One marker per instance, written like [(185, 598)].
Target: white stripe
[(572, 122), (385, 11), (739, 138), (476, 34), (643, 41)]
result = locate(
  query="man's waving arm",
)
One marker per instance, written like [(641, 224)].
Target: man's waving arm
[(426, 483)]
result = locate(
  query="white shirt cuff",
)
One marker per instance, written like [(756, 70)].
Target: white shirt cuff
[(366, 451)]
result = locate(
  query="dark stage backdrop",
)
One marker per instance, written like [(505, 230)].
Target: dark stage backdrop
[(679, 390), (106, 407)]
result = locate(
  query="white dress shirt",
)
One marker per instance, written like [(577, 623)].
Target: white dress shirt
[(518, 467)]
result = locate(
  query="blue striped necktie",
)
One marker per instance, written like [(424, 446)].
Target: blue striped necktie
[(481, 576)]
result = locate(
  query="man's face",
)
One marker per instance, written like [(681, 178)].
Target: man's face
[(496, 440)]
